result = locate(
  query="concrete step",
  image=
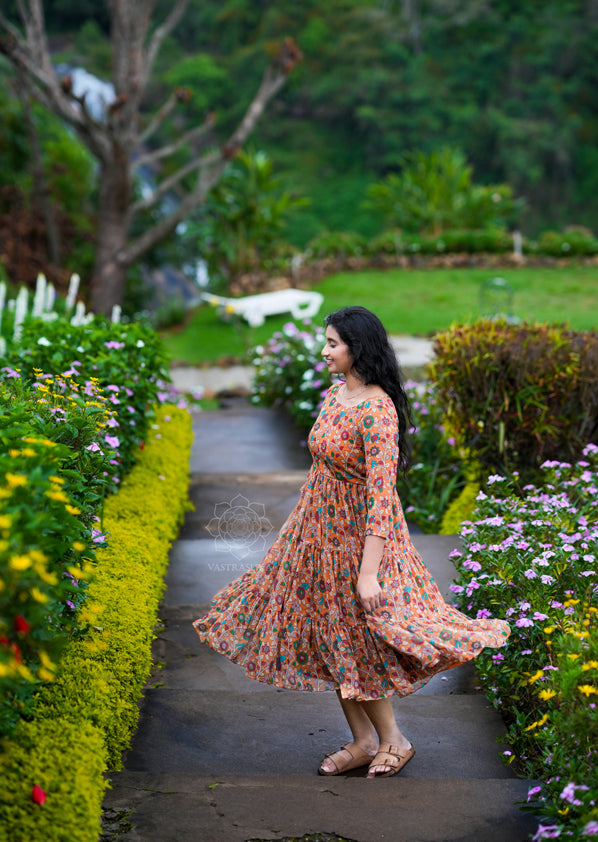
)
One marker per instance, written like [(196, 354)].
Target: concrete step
[(240, 808)]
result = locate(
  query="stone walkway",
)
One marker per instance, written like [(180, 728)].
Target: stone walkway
[(220, 758)]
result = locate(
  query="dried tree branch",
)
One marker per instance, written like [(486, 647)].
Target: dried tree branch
[(187, 137), (159, 117), (171, 182), (160, 34)]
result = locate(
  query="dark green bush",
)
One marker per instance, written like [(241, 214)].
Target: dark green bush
[(570, 243), (516, 395), (337, 244)]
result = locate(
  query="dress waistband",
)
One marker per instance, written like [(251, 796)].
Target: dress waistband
[(324, 470)]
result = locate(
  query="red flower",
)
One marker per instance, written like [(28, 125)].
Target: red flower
[(38, 796), (21, 625), (142, 446)]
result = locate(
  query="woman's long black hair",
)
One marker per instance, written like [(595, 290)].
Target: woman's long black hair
[(374, 361)]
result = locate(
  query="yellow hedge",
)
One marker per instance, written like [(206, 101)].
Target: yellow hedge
[(85, 718)]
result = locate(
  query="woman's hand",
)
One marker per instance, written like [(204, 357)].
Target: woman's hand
[(369, 591)]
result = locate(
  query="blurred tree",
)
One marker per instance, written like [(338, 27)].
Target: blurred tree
[(118, 141), (243, 223)]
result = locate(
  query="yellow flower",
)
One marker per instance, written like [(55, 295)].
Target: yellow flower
[(573, 656), (548, 629), (587, 689), (78, 546), (535, 677), (14, 480), (14, 453), (28, 451), (72, 510), (60, 496), (49, 578), (38, 596), (19, 562), (56, 479), (546, 694), (45, 675), (5, 521), (45, 660), (537, 724), (75, 572), (591, 665)]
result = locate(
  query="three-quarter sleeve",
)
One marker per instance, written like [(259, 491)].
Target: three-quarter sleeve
[(379, 430)]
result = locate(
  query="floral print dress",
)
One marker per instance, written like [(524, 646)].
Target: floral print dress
[(295, 620)]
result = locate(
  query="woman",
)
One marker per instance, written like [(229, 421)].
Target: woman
[(342, 601)]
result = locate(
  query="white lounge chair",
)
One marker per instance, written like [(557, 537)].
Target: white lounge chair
[(300, 303)]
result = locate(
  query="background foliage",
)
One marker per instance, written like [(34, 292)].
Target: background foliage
[(511, 85)]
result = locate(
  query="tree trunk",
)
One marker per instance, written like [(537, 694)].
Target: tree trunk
[(110, 270)]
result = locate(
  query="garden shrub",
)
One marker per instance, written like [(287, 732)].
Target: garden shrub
[(126, 361), (53, 478), (572, 242), (290, 372), (518, 394), (337, 244), (533, 560), (66, 443), (86, 716)]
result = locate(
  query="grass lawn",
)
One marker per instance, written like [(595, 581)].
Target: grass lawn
[(419, 302)]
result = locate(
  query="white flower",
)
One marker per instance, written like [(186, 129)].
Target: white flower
[(43, 341), (140, 343)]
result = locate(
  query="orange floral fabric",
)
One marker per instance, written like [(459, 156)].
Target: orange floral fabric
[(295, 620)]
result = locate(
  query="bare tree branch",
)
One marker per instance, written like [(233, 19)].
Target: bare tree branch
[(160, 34), (188, 137), (211, 167), (163, 112), (170, 182)]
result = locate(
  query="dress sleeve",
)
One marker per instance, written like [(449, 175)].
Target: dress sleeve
[(379, 429)]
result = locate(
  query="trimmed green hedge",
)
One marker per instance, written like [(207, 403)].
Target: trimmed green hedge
[(85, 718)]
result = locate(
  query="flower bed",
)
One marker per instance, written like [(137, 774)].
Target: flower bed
[(533, 560), (52, 768)]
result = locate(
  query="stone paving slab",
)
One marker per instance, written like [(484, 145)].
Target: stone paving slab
[(236, 808), (276, 492), (226, 732), (246, 439)]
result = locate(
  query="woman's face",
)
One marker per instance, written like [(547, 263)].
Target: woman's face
[(336, 353)]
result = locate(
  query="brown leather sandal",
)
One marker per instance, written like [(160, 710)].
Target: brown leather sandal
[(391, 759), (358, 758)]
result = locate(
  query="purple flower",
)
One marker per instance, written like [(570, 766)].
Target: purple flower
[(114, 345), (533, 791), (524, 622), (547, 831), (591, 829), (10, 372), (112, 441)]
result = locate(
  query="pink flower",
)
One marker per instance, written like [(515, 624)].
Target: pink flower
[(114, 345), (95, 448), (38, 796)]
